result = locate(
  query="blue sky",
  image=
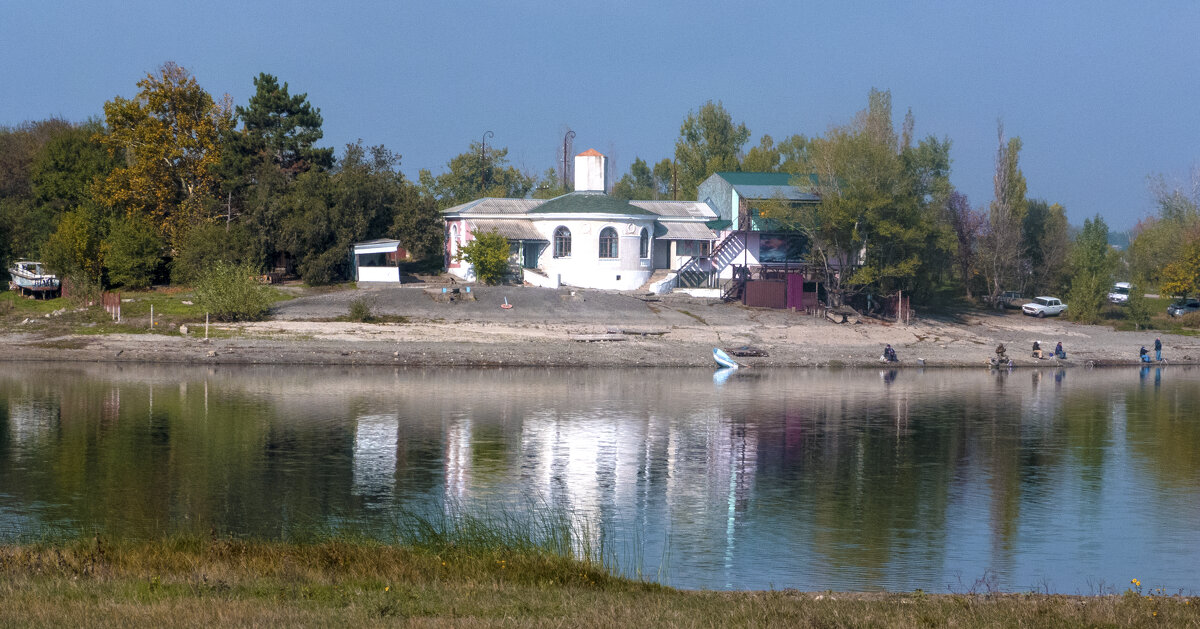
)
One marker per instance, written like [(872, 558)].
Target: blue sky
[(1102, 94)]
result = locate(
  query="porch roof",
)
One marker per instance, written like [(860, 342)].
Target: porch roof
[(512, 228), (680, 230)]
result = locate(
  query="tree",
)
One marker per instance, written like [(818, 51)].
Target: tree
[(793, 155), (1158, 240), (708, 142), (418, 224), (476, 174), (638, 184), (1182, 276), (488, 256), (171, 136), (278, 134), (283, 128), (76, 247), (967, 225), (133, 253), (22, 226), (1049, 249), (549, 186), (207, 243), (878, 225), (1000, 248), (365, 196), (762, 158), (1092, 264), (65, 169), (1138, 309)]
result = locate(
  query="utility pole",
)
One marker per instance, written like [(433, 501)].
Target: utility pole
[(566, 157), (483, 160)]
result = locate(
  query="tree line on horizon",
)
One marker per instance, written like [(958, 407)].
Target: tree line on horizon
[(174, 179)]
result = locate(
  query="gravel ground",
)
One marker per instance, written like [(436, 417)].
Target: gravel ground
[(544, 326)]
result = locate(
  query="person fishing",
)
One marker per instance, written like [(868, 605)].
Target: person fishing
[(1158, 349), (1144, 355), (1058, 352), (889, 354), (1037, 350)]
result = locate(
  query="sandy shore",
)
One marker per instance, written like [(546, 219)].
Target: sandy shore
[(592, 328)]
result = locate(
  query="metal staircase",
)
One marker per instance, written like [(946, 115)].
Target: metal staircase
[(693, 274)]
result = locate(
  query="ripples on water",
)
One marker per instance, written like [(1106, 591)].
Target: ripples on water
[(1068, 481)]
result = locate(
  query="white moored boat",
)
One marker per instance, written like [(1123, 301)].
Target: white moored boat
[(31, 278)]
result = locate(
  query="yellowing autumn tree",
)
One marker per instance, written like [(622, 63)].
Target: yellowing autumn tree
[(170, 134)]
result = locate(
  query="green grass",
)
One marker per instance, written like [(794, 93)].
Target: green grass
[(14, 306), (194, 581)]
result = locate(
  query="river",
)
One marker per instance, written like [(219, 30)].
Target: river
[(1071, 481)]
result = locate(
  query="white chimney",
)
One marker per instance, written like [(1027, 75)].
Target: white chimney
[(590, 171)]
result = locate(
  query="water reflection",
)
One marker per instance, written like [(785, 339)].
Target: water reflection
[(745, 479)]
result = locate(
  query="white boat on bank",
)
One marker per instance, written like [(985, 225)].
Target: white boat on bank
[(31, 278)]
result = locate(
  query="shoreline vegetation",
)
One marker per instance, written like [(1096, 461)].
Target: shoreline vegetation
[(194, 581), (410, 326)]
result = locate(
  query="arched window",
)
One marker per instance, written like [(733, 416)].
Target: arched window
[(562, 242), (644, 245), (608, 243), (453, 240)]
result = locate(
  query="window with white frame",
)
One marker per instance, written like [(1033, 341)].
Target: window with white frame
[(562, 242), (644, 244), (608, 243)]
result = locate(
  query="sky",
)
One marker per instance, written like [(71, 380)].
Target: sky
[(1102, 94)]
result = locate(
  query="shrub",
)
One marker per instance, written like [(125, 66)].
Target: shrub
[(81, 290), (488, 256), (360, 310), (232, 292), (1190, 320)]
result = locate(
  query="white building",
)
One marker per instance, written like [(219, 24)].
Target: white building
[(586, 238)]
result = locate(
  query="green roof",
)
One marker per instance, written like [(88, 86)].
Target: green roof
[(718, 224), (764, 179), (589, 203)]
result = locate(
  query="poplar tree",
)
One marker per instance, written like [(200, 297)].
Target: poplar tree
[(1092, 265), (709, 142)]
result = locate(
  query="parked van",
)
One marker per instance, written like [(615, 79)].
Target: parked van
[(1119, 294)]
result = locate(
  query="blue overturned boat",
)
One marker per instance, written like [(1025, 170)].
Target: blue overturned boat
[(723, 359)]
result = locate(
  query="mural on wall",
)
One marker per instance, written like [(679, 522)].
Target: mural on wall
[(782, 248)]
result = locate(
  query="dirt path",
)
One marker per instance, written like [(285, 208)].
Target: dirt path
[(542, 326)]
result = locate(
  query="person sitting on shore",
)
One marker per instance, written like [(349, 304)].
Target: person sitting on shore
[(1158, 349), (1144, 355), (1058, 352), (1037, 350), (1000, 353), (889, 355)]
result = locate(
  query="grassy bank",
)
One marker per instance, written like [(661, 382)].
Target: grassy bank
[(205, 582)]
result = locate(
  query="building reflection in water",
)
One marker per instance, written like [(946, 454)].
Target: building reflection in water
[(845, 479)]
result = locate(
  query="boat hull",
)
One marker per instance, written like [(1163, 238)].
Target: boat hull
[(723, 359)]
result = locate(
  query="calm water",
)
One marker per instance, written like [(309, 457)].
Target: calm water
[(1070, 481)]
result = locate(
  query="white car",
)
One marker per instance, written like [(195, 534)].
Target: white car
[(1120, 293), (1044, 306)]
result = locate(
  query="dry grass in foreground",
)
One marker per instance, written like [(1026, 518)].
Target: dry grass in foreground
[(194, 582)]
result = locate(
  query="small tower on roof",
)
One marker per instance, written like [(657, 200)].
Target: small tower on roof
[(591, 170)]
